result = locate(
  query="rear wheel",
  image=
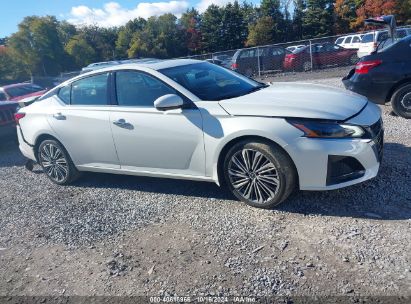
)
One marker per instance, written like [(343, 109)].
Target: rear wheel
[(353, 59), (259, 174), (56, 162), (401, 101), (307, 66)]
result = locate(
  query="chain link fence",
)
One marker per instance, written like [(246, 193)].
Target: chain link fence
[(337, 53)]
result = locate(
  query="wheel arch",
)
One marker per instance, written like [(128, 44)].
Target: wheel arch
[(219, 176), (395, 87), (42, 137)]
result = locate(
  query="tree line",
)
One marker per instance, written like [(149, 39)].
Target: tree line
[(46, 46)]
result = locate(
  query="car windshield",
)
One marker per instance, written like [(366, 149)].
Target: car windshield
[(23, 90), (211, 82)]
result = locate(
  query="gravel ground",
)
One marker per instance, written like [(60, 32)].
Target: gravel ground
[(122, 235)]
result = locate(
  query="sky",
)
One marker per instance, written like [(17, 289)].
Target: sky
[(104, 12)]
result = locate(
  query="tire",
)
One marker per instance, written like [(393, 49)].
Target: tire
[(266, 183), (248, 73), (307, 66), (56, 162), (401, 101), (353, 59)]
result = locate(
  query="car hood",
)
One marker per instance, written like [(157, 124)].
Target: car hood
[(297, 100)]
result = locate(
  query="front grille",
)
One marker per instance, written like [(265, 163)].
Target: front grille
[(376, 133), (376, 128), (379, 145)]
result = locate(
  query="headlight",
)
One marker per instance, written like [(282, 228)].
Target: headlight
[(320, 129)]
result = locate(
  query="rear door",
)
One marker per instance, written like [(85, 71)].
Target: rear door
[(81, 121)]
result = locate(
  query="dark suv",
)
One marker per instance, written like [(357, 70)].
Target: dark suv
[(270, 58), (385, 76)]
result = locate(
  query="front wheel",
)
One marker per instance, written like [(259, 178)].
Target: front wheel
[(259, 174), (401, 101), (56, 162)]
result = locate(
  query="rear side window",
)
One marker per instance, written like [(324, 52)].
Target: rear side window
[(3, 96), (64, 94), (139, 89), (348, 40), (90, 91), (339, 40), (368, 38)]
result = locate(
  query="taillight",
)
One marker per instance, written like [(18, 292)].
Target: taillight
[(18, 116), (364, 67), (290, 57), (234, 66)]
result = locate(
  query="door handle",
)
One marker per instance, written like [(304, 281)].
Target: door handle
[(121, 123), (59, 116)]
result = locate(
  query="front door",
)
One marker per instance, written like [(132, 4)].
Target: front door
[(150, 140)]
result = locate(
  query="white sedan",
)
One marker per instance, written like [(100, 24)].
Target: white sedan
[(194, 120)]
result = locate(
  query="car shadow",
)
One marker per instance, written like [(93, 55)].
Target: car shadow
[(386, 197)]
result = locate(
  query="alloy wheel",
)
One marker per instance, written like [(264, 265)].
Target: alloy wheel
[(406, 102), (253, 176), (54, 162)]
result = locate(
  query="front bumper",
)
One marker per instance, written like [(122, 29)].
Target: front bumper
[(327, 164)]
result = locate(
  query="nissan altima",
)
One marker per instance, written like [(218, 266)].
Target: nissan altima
[(189, 119)]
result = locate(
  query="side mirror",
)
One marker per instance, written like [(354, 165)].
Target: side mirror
[(168, 102)]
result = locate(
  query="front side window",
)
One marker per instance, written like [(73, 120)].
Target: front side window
[(356, 39), (139, 89), (90, 91), (211, 82)]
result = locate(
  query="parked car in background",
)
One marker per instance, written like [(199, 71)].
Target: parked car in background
[(349, 42), (98, 65), (222, 60), (384, 77), (261, 141), (7, 123), (293, 48), (323, 54), (372, 40), (18, 91), (270, 58)]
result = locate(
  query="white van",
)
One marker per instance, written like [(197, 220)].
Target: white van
[(370, 41), (349, 42)]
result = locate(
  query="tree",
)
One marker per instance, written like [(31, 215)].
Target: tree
[(318, 18), (211, 21), (299, 7), (233, 29), (37, 45), (374, 8), (125, 36), (11, 70), (261, 33), (190, 25), (81, 51), (272, 8), (161, 37), (404, 14)]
